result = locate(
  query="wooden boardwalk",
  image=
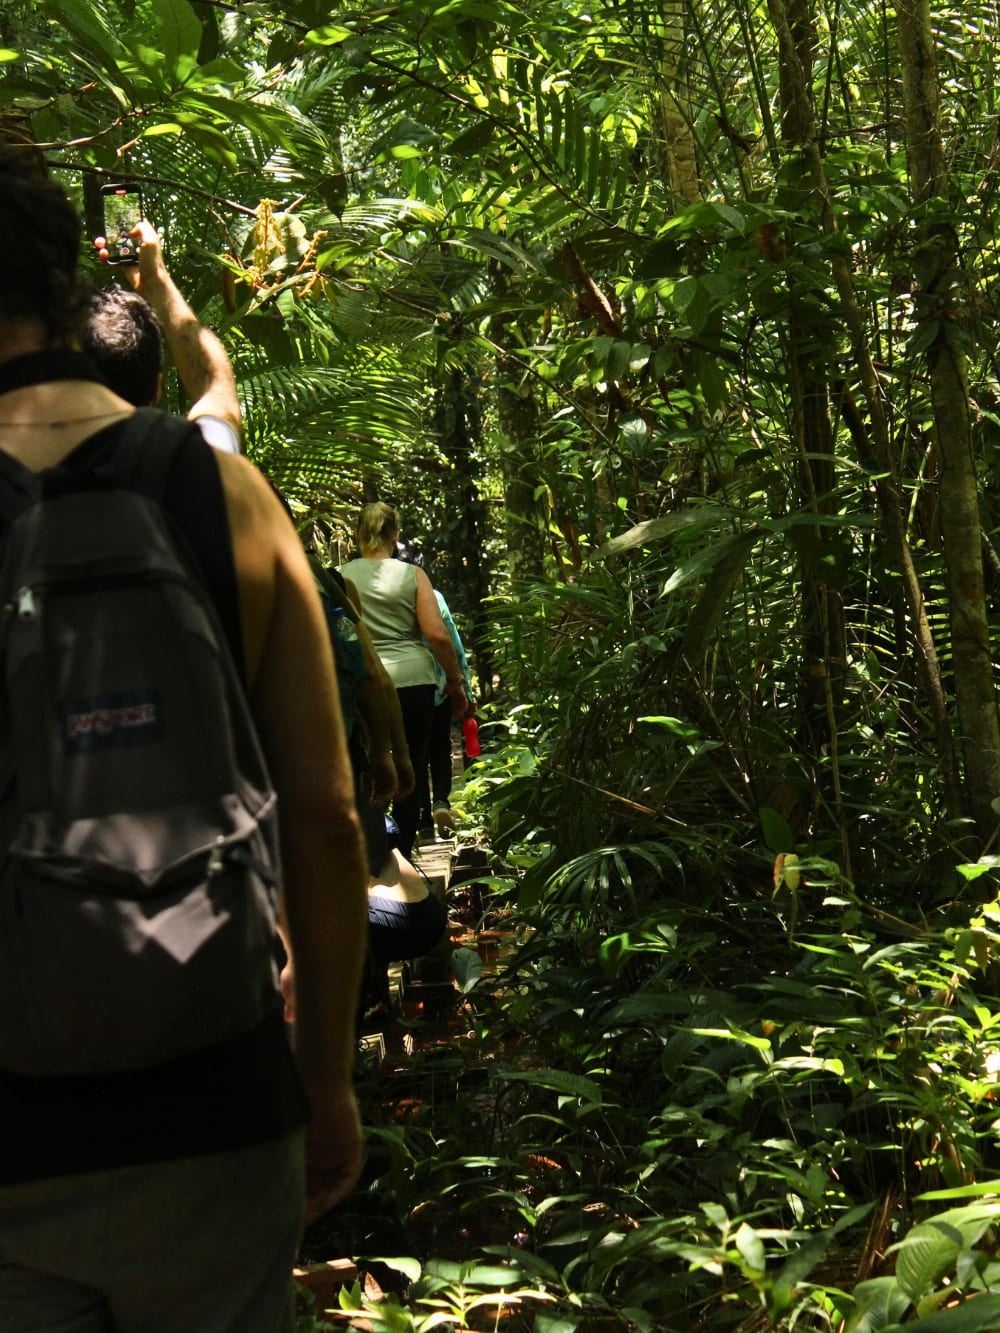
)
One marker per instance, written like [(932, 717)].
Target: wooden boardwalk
[(433, 858), (423, 989)]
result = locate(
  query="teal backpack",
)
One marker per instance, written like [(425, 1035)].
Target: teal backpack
[(341, 621)]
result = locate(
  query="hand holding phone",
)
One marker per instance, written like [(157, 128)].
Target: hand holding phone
[(123, 211)]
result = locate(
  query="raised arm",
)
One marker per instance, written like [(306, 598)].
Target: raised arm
[(202, 364), (434, 630)]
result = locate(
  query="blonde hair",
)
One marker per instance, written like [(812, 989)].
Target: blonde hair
[(376, 524)]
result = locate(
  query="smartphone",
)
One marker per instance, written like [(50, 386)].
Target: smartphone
[(122, 213)]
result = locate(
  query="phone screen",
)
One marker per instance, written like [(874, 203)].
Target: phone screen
[(122, 212)]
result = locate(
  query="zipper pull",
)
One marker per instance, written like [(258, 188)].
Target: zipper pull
[(26, 608), (215, 859)]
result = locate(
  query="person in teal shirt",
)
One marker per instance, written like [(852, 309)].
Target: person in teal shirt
[(436, 793)]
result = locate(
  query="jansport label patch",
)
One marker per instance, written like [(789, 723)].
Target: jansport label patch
[(112, 721)]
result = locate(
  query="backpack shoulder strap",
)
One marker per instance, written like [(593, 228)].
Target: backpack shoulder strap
[(19, 488), (143, 455), (328, 581), (140, 458)]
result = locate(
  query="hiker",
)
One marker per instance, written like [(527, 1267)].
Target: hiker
[(163, 1188), (124, 334), (405, 918), (400, 610), (378, 749), (434, 783)]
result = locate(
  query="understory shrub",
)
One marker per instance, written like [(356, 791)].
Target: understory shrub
[(675, 1109)]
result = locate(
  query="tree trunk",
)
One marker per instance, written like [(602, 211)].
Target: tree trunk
[(517, 412), (466, 562), (680, 161), (935, 265), (887, 484), (823, 635)]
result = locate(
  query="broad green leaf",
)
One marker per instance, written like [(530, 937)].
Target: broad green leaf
[(971, 870), (217, 145), (751, 1247), (218, 71), (180, 36), (410, 1268), (973, 1189), (558, 1080), (705, 560), (467, 967), (545, 1323), (978, 1314), (331, 34), (618, 360), (675, 725), (271, 123), (711, 378), (471, 141), (778, 836), (800, 1264), (164, 127), (87, 23), (471, 1273), (923, 336), (684, 292), (658, 529), (733, 1033), (879, 1304), (930, 1249), (406, 137)]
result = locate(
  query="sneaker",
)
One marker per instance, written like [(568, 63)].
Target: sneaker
[(444, 820)]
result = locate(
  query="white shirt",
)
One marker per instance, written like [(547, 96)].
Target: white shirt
[(219, 434)]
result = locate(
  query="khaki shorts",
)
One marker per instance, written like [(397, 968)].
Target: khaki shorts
[(199, 1245)]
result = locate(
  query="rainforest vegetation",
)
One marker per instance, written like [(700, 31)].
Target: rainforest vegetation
[(671, 328)]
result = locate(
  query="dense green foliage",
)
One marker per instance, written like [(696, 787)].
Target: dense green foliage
[(688, 1115), (671, 328)]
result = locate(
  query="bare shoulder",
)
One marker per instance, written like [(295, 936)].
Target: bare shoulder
[(249, 497), (267, 554)]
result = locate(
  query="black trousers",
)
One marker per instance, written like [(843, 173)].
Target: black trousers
[(416, 702), (440, 762)]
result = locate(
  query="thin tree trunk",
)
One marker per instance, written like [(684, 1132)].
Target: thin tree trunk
[(517, 413), (887, 484), (823, 634), (935, 261), (467, 562), (679, 152)]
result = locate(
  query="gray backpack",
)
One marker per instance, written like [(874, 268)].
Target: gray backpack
[(137, 821)]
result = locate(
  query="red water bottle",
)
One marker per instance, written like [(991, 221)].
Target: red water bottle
[(470, 730)]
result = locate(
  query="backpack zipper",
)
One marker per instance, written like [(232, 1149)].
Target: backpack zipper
[(26, 600), (216, 858)]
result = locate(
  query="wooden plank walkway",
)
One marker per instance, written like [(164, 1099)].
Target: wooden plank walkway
[(422, 989), (433, 859)]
